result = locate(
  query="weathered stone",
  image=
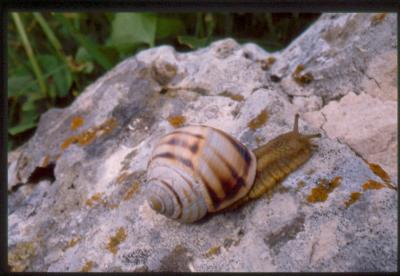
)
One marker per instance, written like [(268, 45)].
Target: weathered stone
[(368, 125), (76, 189)]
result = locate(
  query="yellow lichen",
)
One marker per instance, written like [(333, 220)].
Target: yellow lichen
[(382, 174), (324, 188), (95, 198), (132, 190), (114, 241), (67, 142), (98, 198), (235, 97), (215, 250), (353, 198), (76, 123), (88, 136), (258, 121), (372, 185), (107, 126), (377, 170), (271, 60), (176, 121), (72, 243), (300, 78), (88, 266), (300, 185), (19, 258), (378, 18), (266, 63), (122, 177)]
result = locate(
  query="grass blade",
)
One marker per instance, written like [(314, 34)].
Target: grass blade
[(29, 52)]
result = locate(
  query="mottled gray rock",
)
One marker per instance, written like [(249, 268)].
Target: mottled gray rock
[(367, 124), (76, 189)]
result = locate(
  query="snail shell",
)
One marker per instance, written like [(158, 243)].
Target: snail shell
[(198, 169)]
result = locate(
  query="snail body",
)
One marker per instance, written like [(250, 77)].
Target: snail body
[(196, 170)]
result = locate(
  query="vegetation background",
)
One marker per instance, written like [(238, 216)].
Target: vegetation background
[(53, 56)]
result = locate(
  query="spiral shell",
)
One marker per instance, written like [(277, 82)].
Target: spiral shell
[(198, 169)]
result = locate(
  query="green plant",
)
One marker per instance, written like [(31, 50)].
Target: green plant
[(52, 57)]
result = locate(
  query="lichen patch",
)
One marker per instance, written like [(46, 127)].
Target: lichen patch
[(235, 97), (372, 185), (378, 18), (76, 123), (352, 199), (96, 198), (177, 120), (72, 242), (300, 77), (88, 266), (116, 240), (132, 190), (267, 62), (19, 258), (214, 250), (88, 136), (259, 120), (323, 189), (377, 170)]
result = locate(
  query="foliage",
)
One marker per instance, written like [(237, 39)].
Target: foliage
[(53, 56)]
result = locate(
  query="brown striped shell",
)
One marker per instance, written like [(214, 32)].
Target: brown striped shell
[(198, 169)]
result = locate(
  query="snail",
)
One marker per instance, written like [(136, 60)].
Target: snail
[(196, 169)]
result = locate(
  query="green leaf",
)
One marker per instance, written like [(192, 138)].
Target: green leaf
[(21, 128), (18, 85), (92, 47), (193, 42), (84, 61), (29, 107), (21, 82), (82, 54), (130, 29), (59, 72), (168, 27)]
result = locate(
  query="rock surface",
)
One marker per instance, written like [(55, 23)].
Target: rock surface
[(76, 189)]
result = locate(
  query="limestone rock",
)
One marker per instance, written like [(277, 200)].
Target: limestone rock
[(76, 188), (368, 125)]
